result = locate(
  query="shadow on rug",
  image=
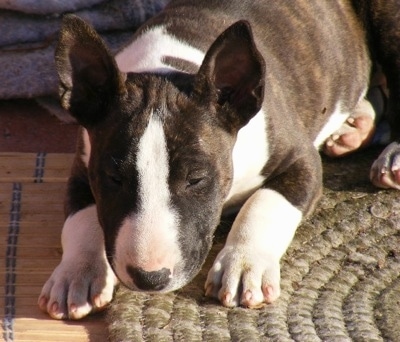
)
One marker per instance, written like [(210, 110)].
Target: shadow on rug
[(340, 278)]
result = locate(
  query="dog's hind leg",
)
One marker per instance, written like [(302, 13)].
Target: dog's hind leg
[(363, 127), (355, 133), (381, 19)]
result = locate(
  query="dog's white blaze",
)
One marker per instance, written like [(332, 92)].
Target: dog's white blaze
[(86, 149), (250, 154), (147, 51), (267, 220), (148, 238)]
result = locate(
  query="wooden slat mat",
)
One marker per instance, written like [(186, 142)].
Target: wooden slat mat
[(31, 216), (340, 278)]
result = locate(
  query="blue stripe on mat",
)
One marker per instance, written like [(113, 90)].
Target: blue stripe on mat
[(11, 261), (39, 169)]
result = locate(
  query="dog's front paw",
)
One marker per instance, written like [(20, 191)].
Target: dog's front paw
[(77, 288), (244, 276)]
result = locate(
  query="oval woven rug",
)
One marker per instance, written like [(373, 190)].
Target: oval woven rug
[(340, 278)]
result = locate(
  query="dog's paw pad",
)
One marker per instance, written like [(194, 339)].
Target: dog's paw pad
[(271, 293), (228, 300), (244, 277), (57, 310), (385, 171), (387, 179), (252, 299), (65, 295), (354, 134), (42, 303), (51, 307), (61, 301), (76, 311), (102, 300)]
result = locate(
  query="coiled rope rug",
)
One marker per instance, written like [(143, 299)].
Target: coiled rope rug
[(340, 278)]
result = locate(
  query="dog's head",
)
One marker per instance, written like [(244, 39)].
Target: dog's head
[(160, 164)]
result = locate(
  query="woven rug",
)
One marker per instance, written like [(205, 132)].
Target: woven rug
[(31, 217), (340, 278)]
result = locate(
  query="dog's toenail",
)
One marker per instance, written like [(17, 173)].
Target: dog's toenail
[(42, 301), (54, 307), (248, 295), (209, 289), (226, 298), (97, 301)]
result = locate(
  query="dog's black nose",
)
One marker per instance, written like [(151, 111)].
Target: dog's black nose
[(149, 281)]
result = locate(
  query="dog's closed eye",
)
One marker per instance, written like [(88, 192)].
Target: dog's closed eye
[(196, 179), (115, 178), (113, 172)]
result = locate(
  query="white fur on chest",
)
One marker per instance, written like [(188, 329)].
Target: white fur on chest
[(250, 155), (146, 53)]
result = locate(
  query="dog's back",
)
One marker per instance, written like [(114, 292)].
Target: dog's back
[(311, 47)]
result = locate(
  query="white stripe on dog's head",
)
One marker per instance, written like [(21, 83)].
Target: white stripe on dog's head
[(148, 238), (153, 169), (146, 53)]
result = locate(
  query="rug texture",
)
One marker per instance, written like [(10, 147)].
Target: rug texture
[(32, 189), (340, 278)]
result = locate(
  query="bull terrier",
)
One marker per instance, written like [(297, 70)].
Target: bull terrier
[(214, 106)]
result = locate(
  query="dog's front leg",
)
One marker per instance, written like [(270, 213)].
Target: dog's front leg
[(84, 281), (247, 270)]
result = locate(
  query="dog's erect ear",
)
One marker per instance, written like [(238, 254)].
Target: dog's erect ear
[(89, 77), (234, 67)]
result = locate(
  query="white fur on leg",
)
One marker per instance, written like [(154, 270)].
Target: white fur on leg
[(259, 237), (83, 272)]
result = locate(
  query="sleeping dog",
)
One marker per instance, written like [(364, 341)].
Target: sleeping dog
[(215, 105)]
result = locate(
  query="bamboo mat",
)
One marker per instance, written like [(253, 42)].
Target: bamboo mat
[(31, 217)]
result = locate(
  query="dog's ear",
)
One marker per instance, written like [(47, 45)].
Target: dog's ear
[(235, 69), (89, 77)]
